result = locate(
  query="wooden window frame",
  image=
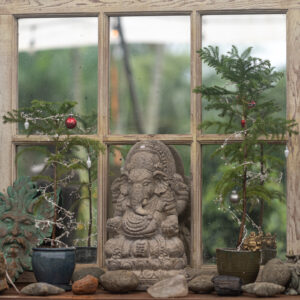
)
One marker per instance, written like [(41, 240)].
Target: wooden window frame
[(9, 139)]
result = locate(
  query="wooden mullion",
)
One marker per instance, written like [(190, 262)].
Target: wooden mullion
[(293, 112), (229, 138), (196, 193), (151, 6), (7, 62), (176, 139), (103, 130)]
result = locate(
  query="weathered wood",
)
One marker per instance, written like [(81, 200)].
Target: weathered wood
[(196, 165), (102, 295), (175, 139), (103, 130), (293, 112), (7, 60), (90, 6)]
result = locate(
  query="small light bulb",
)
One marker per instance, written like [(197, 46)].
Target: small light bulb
[(88, 162), (26, 124), (286, 152)]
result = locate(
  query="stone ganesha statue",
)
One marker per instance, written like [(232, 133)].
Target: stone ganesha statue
[(148, 197)]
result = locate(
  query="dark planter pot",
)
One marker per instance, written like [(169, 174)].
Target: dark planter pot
[(86, 255), (266, 255), (54, 265), (242, 264)]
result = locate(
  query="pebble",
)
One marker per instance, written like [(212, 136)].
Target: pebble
[(275, 271), (201, 284), (85, 286), (172, 287), (121, 281), (263, 289), (41, 289), (226, 285)]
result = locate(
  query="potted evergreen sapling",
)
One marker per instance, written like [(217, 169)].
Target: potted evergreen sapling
[(54, 121), (246, 113)]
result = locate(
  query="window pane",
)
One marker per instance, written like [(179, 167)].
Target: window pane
[(150, 75), (265, 33), (74, 193), (181, 154), (58, 61), (220, 228)]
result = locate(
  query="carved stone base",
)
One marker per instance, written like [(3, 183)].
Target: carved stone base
[(146, 263)]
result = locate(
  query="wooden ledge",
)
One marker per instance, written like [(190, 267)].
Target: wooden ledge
[(102, 295)]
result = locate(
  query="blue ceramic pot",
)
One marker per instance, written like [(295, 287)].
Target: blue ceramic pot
[(53, 265)]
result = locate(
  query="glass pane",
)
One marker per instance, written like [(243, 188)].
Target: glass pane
[(265, 33), (220, 228), (79, 226), (58, 62), (181, 154), (150, 75)]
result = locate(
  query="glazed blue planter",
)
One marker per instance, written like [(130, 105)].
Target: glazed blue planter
[(54, 265)]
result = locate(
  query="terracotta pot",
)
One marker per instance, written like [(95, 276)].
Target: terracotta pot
[(243, 264)]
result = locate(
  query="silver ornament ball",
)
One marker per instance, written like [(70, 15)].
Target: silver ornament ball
[(234, 197)]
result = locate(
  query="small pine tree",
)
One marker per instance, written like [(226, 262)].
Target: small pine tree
[(246, 112), (48, 119)]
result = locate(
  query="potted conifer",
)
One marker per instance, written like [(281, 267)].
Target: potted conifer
[(248, 116), (54, 262)]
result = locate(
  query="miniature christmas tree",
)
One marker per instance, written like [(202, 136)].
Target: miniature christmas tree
[(246, 113), (55, 121)]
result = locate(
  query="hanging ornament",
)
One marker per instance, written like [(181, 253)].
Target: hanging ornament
[(70, 122), (26, 124), (88, 162), (234, 197), (251, 104), (286, 152), (243, 123)]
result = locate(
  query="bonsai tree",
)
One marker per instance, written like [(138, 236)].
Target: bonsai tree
[(54, 121), (247, 113)]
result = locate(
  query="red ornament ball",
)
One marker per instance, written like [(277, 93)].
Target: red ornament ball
[(251, 104), (243, 122), (70, 122)]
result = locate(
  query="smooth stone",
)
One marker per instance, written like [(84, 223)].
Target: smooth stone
[(85, 286), (175, 286), (291, 292), (93, 271), (201, 284), (41, 289), (193, 272), (226, 285), (121, 281), (275, 271), (263, 289)]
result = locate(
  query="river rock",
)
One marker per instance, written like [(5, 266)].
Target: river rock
[(93, 271), (193, 272), (175, 286), (121, 281), (85, 286), (41, 289), (263, 289), (225, 285), (201, 284), (275, 271)]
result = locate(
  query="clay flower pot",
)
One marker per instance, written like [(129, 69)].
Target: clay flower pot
[(243, 264)]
